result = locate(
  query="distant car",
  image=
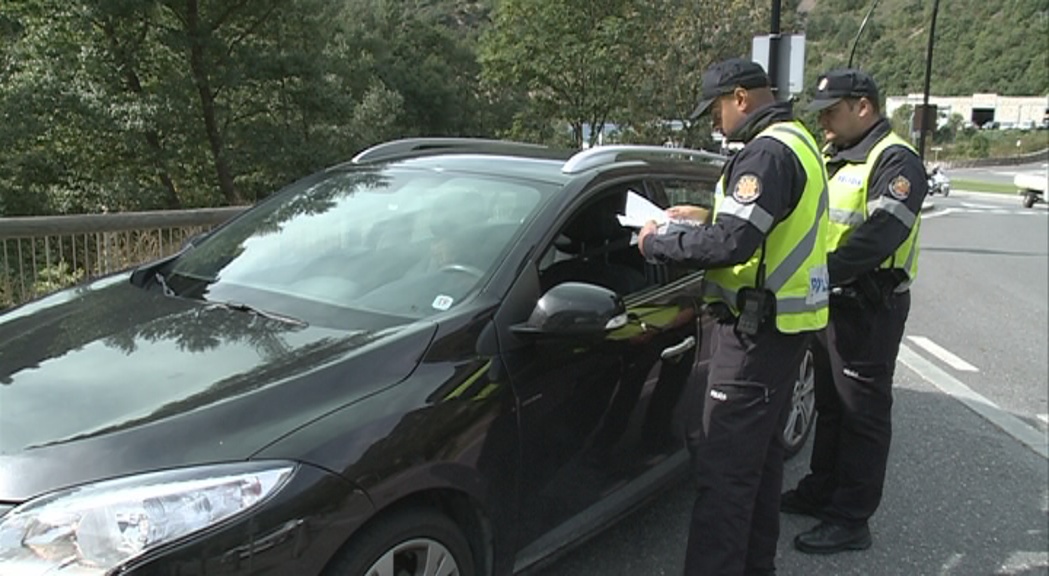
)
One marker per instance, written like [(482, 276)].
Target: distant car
[(1032, 186), (444, 357)]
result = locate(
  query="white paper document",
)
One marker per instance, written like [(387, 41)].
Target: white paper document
[(640, 210)]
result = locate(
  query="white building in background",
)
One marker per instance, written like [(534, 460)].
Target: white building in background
[(981, 109)]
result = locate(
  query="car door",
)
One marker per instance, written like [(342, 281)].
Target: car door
[(601, 420)]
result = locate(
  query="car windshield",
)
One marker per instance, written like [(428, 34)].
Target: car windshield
[(399, 241)]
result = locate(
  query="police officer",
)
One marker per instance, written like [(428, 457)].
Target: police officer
[(877, 185), (765, 256)]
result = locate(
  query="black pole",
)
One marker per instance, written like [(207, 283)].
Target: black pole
[(774, 35), (928, 73), (863, 25)]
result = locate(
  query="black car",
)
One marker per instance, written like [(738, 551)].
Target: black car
[(445, 357)]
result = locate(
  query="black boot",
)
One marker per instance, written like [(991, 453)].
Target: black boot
[(829, 538), (792, 502)]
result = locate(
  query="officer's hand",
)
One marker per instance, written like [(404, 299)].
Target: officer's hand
[(648, 228), (695, 213)]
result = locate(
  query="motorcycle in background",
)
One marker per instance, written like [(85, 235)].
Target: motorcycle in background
[(939, 183)]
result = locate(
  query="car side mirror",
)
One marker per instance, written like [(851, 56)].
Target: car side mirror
[(574, 310)]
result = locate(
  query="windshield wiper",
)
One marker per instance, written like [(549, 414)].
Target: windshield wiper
[(242, 307), (163, 284)]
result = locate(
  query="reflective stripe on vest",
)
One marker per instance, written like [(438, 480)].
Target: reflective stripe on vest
[(849, 208), (795, 248)]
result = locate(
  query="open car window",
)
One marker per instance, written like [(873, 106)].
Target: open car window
[(593, 247), (686, 192)]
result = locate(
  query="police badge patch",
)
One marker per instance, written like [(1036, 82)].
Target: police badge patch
[(747, 190), (900, 188)]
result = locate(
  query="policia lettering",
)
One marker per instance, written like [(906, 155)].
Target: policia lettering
[(786, 278)]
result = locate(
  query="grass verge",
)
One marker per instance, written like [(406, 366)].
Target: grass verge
[(981, 186)]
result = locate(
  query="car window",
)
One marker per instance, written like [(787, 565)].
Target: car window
[(401, 241), (692, 192), (594, 247)]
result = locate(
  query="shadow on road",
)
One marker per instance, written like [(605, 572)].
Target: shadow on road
[(961, 498)]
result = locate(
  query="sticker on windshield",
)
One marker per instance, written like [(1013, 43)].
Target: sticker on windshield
[(442, 302)]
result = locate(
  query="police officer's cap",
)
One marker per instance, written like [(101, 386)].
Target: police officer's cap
[(836, 85), (724, 77)]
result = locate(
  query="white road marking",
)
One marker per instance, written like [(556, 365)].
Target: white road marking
[(982, 206), (938, 214), (1044, 418), (943, 354), (1011, 425), (1024, 562)]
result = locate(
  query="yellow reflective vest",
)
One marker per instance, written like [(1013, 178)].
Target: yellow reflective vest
[(795, 248), (849, 208)]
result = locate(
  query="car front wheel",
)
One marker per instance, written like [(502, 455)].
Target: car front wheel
[(802, 408), (407, 543)]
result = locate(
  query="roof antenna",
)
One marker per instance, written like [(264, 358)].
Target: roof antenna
[(863, 25)]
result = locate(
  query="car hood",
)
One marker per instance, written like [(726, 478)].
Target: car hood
[(108, 379)]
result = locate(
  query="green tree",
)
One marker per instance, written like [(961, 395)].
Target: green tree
[(576, 61), (421, 54), (130, 104), (683, 38)]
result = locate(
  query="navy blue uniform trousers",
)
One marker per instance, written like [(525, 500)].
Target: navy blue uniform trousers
[(855, 364), (737, 458)]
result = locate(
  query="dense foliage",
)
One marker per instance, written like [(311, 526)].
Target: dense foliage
[(144, 104)]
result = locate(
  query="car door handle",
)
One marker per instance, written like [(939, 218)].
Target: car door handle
[(679, 348)]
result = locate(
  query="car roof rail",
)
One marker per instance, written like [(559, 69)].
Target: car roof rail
[(409, 147), (601, 155)]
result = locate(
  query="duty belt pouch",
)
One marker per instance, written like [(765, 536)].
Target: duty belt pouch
[(756, 306)]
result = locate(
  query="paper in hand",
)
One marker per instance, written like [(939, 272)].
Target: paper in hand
[(640, 210)]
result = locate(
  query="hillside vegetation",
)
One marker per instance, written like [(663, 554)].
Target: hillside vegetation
[(997, 46)]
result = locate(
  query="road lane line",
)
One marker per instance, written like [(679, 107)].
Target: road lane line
[(939, 213), (1010, 424), (1044, 418), (979, 206), (943, 354)]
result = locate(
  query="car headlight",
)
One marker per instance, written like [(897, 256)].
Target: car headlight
[(88, 530)]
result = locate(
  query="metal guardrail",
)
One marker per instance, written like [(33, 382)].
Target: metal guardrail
[(41, 254)]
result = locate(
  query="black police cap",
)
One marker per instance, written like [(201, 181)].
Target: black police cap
[(724, 77), (836, 85)]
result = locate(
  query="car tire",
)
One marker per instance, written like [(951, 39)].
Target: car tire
[(1030, 199), (406, 543), (802, 411)]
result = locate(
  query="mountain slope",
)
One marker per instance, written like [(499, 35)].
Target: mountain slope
[(980, 46)]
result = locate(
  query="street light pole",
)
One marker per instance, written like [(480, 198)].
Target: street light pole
[(774, 37), (928, 73), (856, 40)]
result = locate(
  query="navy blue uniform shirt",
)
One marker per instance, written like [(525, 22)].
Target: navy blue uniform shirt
[(883, 232), (767, 173)]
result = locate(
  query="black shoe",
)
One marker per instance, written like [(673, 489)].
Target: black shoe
[(829, 538), (792, 502)]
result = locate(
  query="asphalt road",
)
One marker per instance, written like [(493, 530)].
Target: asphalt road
[(996, 174), (967, 491)]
